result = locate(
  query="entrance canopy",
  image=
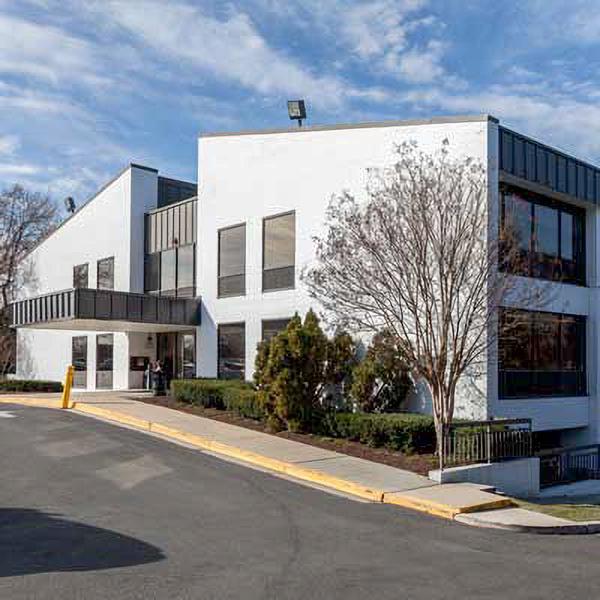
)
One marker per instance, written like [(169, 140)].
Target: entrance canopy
[(105, 310)]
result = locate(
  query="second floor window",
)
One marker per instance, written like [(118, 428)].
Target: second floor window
[(232, 261), (80, 276), (106, 274), (279, 250), (549, 235)]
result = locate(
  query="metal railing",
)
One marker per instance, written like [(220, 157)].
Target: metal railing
[(475, 442), (567, 465)]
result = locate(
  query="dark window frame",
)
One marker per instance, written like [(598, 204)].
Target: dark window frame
[(179, 291), (87, 275), (265, 289), (220, 293), (512, 381), (78, 381), (279, 320), (538, 265), (112, 361), (108, 259), (220, 327)]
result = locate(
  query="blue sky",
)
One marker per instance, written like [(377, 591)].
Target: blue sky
[(87, 86)]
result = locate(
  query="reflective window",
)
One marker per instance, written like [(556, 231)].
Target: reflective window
[(279, 248), (152, 273), (541, 354), (106, 274), (79, 361), (232, 261), (272, 327), (232, 351), (80, 276), (185, 267), (546, 230), (104, 361), (168, 283), (554, 248)]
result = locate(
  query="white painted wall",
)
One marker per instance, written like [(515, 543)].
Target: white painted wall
[(245, 178), (110, 224)]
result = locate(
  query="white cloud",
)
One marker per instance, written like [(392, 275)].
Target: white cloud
[(8, 144), (421, 65), (7, 169)]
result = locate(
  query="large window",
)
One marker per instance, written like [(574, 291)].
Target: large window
[(171, 272), (232, 351), (541, 354), (232, 261), (106, 274), (271, 327), (186, 271), (79, 361), (168, 272), (80, 276), (279, 248), (550, 236), (104, 361)]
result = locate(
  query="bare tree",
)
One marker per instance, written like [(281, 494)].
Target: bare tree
[(25, 218), (419, 257)]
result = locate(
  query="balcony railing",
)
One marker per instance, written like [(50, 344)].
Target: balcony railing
[(567, 465)]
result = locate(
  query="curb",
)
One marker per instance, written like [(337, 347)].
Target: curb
[(575, 529), (34, 402)]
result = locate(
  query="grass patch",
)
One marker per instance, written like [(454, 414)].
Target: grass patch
[(572, 511)]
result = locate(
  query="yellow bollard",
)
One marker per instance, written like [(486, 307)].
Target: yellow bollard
[(66, 395)]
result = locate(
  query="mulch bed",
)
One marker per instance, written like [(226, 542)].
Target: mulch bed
[(418, 463)]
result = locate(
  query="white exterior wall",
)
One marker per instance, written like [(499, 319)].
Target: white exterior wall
[(245, 178), (111, 224)]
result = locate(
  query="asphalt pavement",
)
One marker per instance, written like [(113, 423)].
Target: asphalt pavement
[(89, 510)]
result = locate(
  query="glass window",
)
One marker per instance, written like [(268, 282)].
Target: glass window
[(272, 327), (518, 219), (546, 230), (232, 351), (152, 272), (232, 261), (566, 236), (167, 272), (104, 361), (80, 276), (279, 248), (106, 274), (541, 354), (185, 268), (79, 361), (187, 343)]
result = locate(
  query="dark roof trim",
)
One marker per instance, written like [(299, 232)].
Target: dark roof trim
[(366, 125), (177, 180), (168, 206)]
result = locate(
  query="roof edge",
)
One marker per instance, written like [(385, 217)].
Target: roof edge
[(365, 125)]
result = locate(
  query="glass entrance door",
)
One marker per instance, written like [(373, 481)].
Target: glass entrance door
[(177, 354)]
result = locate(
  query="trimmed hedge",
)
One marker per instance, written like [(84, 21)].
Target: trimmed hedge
[(30, 385), (408, 433), (235, 395)]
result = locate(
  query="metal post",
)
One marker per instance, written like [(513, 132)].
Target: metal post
[(66, 395)]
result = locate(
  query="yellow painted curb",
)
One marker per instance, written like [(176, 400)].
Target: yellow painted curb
[(35, 402), (444, 510), (302, 473)]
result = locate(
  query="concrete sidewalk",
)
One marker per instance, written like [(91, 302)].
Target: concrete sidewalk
[(363, 478)]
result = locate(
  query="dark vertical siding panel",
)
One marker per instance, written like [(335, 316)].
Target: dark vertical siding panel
[(530, 161), (542, 173), (506, 152), (590, 193), (581, 181), (561, 178), (572, 178), (552, 170), (519, 157)]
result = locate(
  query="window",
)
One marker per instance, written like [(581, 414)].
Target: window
[(168, 272), (272, 327), (104, 361), (80, 276), (187, 355), (279, 247), (232, 261), (550, 236), (232, 351), (186, 271), (106, 274), (541, 354), (79, 361), (152, 273)]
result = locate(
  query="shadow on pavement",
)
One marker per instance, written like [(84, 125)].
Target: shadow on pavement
[(33, 541)]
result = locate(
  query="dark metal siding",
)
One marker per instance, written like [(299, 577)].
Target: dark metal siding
[(532, 161), (171, 191), (171, 227)]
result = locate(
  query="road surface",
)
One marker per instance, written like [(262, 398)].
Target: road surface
[(89, 510)]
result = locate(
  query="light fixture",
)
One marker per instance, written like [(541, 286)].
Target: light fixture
[(297, 111), (70, 204)]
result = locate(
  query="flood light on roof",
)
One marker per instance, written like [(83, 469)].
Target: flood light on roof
[(297, 111)]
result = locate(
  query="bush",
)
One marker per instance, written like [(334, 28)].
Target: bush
[(295, 369), (245, 402), (381, 381), (209, 393), (30, 385), (406, 433)]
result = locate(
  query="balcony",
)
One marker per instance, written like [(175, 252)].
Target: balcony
[(84, 309)]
